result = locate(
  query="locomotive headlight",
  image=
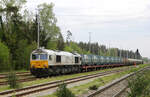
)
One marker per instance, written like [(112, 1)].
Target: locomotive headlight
[(32, 65), (45, 65)]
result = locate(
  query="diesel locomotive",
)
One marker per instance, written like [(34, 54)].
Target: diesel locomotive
[(44, 62)]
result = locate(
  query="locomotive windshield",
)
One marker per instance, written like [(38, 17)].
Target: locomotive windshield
[(43, 56), (39, 56), (35, 56)]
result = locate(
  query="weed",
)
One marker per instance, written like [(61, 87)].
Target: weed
[(93, 87), (63, 91)]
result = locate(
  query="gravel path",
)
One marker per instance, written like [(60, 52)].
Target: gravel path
[(113, 90), (110, 92), (125, 93)]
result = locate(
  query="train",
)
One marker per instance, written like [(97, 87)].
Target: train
[(44, 62)]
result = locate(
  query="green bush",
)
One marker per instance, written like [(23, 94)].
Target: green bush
[(139, 85), (62, 91), (93, 87), (4, 57), (12, 80)]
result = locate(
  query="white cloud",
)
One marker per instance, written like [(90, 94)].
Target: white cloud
[(104, 8), (119, 23)]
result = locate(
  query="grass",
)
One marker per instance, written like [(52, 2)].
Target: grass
[(78, 90), (2, 88), (44, 80)]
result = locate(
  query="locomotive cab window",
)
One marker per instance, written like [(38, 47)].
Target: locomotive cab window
[(43, 56), (80, 58), (76, 59), (50, 57), (58, 58), (35, 56)]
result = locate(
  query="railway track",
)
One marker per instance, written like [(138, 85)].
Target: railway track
[(50, 85), (2, 76), (114, 89), (25, 77), (20, 80), (16, 73)]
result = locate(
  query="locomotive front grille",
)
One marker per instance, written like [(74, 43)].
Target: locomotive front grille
[(39, 64)]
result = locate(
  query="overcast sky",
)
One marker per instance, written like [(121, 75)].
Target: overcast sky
[(115, 23)]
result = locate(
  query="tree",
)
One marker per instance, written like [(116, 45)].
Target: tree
[(4, 57), (137, 54), (68, 38), (12, 25), (49, 31), (19, 31), (1, 27), (23, 54), (73, 47), (60, 43)]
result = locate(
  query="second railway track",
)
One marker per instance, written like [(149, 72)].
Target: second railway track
[(41, 87), (114, 89)]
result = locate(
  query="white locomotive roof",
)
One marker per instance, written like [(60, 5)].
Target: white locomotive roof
[(52, 52), (49, 51), (63, 53)]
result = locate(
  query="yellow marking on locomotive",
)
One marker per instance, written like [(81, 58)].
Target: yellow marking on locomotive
[(39, 64)]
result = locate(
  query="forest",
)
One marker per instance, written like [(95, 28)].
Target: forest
[(18, 36)]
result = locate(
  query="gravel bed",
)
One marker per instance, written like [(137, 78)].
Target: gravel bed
[(110, 92), (113, 90), (125, 93)]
